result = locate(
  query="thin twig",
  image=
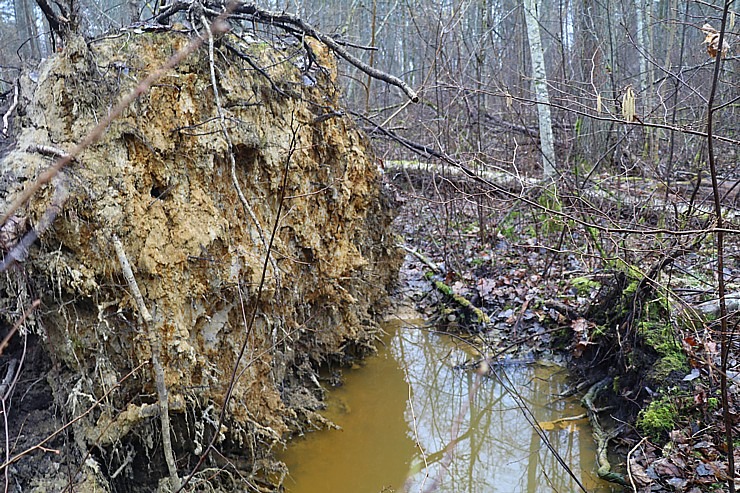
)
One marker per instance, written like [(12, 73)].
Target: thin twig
[(629, 463), (155, 347), (230, 144), (17, 325), (276, 18), (725, 336), (298, 27), (227, 136), (40, 445), (6, 116), (21, 249), (249, 324)]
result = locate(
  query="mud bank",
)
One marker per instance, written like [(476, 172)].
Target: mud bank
[(195, 226)]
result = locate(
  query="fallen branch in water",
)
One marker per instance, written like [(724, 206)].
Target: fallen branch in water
[(423, 258), (474, 314)]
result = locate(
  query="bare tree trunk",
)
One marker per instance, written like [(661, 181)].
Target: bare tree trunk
[(372, 55), (539, 76), (25, 23)]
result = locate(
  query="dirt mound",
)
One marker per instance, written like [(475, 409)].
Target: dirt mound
[(195, 227)]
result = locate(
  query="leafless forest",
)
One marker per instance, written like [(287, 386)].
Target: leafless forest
[(576, 139)]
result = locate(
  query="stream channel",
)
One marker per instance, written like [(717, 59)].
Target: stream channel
[(413, 422)]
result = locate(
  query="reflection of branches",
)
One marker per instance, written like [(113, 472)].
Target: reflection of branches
[(438, 413), (436, 382), (506, 383), (449, 450)]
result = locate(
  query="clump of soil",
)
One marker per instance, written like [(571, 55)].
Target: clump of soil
[(161, 180)]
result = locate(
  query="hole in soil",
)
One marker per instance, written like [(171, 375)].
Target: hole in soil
[(158, 192)]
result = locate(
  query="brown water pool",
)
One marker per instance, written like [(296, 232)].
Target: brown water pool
[(413, 422)]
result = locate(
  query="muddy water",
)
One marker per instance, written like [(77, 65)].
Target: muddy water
[(412, 422)]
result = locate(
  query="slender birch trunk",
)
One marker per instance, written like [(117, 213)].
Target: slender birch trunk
[(539, 81)]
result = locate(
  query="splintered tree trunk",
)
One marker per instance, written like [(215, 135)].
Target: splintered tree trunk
[(539, 81)]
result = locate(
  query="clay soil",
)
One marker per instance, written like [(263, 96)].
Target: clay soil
[(259, 239)]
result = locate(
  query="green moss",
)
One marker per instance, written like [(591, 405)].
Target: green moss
[(550, 223), (712, 404), (658, 419), (476, 315), (667, 364), (584, 285), (443, 288), (599, 331), (661, 338)]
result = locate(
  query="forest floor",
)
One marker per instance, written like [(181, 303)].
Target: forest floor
[(546, 298)]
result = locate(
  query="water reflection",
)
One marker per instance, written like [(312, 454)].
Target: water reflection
[(475, 437), (413, 422)]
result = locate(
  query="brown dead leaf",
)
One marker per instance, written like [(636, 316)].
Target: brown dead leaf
[(678, 461), (579, 347), (638, 474), (666, 469), (485, 287), (712, 41), (580, 326)]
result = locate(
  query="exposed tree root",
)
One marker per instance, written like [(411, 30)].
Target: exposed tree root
[(601, 436), (164, 408)]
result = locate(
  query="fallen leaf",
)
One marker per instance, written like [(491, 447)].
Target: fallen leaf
[(638, 474), (664, 468), (580, 326), (690, 341)]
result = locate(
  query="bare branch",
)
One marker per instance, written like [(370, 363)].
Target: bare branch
[(295, 25), (164, 407), (6, 116)]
